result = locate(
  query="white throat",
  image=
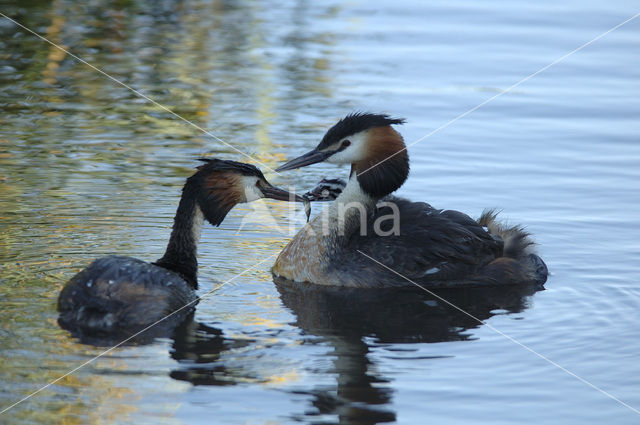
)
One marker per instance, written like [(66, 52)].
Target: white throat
[(196, 227), (351, 194), (346, 214)]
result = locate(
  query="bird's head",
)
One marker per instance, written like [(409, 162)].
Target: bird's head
[(326, 190), (375, 150), (221, 184)]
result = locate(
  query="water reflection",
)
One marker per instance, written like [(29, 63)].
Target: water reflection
[(198, 348), (87, 167), (167, 328), (353, 320)]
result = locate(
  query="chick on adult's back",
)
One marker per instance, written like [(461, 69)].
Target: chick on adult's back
[(368, 238), (117, 293)]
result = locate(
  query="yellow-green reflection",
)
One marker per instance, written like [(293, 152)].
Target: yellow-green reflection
[(87, 168)]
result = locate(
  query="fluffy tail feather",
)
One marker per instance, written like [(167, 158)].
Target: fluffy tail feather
[(517, 242), (518, 247)]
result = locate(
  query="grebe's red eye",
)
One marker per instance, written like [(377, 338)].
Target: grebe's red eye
[(343, 145)]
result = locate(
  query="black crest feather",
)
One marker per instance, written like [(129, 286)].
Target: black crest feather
[(215, 164), (355, 123)]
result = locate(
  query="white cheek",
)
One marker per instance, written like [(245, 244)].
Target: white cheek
[(353, 153), (251, 192), (347, 156)]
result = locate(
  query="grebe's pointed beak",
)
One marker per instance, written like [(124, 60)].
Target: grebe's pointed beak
[(308, 158), (272, 192)]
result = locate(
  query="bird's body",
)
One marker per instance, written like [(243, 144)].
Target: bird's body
[(118, 293), (368, 238)]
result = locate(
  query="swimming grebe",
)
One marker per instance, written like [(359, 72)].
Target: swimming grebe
[(115, 293), (432, 247)]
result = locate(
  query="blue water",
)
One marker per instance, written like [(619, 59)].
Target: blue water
[(87, 168)]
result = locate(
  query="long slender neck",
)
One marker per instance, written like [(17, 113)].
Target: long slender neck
[(181, 253), (371, 179), (347, 215)]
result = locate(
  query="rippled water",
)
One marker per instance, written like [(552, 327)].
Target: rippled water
[(88, 168)]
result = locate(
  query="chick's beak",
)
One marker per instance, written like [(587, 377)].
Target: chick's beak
[(270, 191), (308, 158)]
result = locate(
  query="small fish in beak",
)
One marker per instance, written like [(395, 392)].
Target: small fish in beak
[(307, 208), (325, 190)]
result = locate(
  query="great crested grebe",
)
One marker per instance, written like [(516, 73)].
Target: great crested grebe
[(432, 247), (115, 293)]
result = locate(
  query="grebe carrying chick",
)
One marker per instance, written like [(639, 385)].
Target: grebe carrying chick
[(118, 293), (432, 247)]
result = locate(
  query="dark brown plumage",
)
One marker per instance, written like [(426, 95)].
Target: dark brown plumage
[(431, 247), (117, 294)]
